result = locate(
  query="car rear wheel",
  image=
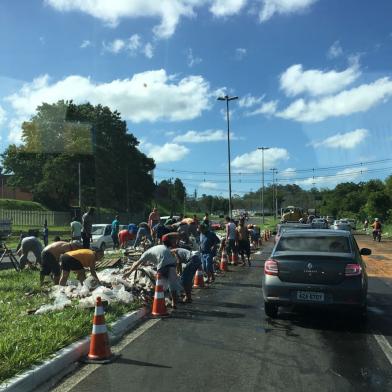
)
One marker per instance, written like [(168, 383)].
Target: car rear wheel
[(271, 310), (103, 246)]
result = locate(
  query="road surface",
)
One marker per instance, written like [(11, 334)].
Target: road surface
[(224, 342)]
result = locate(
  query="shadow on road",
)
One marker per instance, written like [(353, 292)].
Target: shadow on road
[(235, 284), (127, 361)]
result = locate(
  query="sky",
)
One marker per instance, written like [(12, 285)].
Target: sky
[(313, 81)]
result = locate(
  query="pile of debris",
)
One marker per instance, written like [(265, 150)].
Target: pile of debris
[(138, 286)]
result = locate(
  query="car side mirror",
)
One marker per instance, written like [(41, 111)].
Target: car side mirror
[(366, 251)]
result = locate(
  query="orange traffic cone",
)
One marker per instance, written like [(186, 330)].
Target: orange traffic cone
[(198, 281), (223, 263), (159, 306), (234, 258), (99, 341)]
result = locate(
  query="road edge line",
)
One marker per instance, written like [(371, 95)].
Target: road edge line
[(384, 345)]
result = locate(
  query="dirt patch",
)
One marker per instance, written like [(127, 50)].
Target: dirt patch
[(379, 263)]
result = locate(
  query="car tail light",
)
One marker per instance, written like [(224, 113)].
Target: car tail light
[(353, 270), (271, 267)]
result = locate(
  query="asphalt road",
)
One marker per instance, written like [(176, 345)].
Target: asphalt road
[(224, 342)]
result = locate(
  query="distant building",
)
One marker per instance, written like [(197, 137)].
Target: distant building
[(10, 192)]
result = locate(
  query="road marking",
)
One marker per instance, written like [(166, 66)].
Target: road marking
[(85, 371), (384, 345)]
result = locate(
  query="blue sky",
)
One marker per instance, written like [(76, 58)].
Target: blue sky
[(313, 78)]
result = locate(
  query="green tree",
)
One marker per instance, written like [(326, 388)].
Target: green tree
[(115, 174)]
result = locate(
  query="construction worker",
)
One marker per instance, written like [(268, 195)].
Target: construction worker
[(153, 218), (231, 237), (29, 244), (143, 231), (208, 245), (50, 258), (125, 236), (165, 262), (243, 241), (78, 260), (76, 229), (87, 227), (115, 231), (193, 262)]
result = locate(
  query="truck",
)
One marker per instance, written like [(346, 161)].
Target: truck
[(293, 214)]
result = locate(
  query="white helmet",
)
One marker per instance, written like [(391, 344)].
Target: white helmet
[(376, 219)]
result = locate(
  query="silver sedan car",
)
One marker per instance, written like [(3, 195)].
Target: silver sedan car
[(316, 268)]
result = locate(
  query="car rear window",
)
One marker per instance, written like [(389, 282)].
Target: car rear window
[(314, 244)]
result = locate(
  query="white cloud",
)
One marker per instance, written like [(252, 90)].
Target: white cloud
[(284, 7), (208, 185), (252, 161), (3, 115), (227, 7), (248, 101), (287, 173), (268, 108), (169, 152), (358, 99), (191, 59), (295, 80), (240, 53), (147, 96), (170, 12), (346, 141), (148, 50), (130, 45), (335, 50), (203, 137), (85, 44)]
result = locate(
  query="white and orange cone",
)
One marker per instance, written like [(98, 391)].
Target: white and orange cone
[(224, 261), (99, 342), (234, 258), (159, 305), (198, 281)]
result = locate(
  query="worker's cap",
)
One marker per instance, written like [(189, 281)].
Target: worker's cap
[(169, 236), (376, 219)]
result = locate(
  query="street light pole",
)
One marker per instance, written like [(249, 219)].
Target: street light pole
[(227, 99), (262, 186)]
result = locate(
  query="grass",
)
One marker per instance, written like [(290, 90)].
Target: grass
[(11, 204), (25, 339)]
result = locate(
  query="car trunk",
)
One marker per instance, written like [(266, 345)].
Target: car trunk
[(314, 269)]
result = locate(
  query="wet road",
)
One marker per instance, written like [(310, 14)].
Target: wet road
[(224, 342)]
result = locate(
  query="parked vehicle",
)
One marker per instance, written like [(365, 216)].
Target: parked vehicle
[(316, 268), (341, 224), (290, 226), (101, 235), (319, 223)]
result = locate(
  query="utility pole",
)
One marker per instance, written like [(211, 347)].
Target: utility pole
[(262, 180), (273, 188), (80, 185), (227, 99)]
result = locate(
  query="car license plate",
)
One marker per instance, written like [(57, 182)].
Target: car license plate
[(310, 296)]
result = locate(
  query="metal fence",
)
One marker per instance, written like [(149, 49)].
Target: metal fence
[(56, 218)]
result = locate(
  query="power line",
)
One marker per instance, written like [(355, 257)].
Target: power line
[(326, 168), (283, 179)]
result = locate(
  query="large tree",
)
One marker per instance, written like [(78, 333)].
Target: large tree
[(114, 173)]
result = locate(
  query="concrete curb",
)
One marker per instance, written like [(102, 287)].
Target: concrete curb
[(64, 360)]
